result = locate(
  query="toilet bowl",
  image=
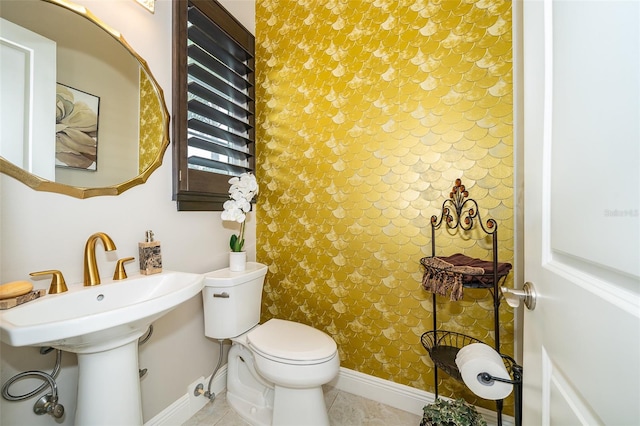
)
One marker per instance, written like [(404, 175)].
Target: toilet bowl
[(275, 370)]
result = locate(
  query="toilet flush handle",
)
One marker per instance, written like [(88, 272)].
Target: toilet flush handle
[(223, 295)]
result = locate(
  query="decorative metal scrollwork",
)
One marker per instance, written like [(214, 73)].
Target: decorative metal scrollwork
[(461, 211)]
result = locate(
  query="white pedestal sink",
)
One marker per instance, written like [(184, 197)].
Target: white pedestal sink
[(102, 325)]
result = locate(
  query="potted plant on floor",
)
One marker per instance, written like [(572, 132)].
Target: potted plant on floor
[(443, 412)]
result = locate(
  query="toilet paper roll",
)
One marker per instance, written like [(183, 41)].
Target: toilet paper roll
[(476, 349), (478, 360)]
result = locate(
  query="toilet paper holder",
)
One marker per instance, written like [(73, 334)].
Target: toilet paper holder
[(516, 381)]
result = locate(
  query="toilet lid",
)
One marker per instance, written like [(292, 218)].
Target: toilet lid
[(292, 341)]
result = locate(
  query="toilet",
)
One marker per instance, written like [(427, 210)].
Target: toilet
[(275, 370)]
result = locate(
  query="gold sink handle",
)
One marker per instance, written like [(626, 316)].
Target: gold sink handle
[(120, 273), (58, 284)]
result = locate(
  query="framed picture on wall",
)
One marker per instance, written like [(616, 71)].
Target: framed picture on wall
[(77, 114)]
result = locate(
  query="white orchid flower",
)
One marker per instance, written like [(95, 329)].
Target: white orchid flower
[(242, 190)]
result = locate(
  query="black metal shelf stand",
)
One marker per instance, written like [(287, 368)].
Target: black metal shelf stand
[(516, 374), (461, 212)]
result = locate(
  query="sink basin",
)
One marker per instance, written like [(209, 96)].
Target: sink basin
[(102, 325), (85, 317)]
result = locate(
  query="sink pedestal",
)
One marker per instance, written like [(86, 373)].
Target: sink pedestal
[(109, 387)]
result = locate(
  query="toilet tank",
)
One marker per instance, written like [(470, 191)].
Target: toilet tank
[(232, 300)]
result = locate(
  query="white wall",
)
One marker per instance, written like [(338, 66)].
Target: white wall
[(48, 231), (244, 11)]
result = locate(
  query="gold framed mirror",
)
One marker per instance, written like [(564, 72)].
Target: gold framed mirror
[(111, 127)]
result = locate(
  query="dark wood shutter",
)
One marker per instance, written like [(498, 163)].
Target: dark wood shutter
[(214, 120)]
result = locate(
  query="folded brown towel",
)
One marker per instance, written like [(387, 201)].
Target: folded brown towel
[(449, 274)]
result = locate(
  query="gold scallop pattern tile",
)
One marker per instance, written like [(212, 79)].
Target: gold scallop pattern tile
[(151, 136), (368, 110)]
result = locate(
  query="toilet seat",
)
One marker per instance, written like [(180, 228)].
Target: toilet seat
[(291, 342)]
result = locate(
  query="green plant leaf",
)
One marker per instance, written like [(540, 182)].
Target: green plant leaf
[(236, 243), (458, 412)]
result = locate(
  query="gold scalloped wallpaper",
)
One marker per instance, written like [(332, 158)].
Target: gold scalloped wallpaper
[(150, 129), (367, 113)]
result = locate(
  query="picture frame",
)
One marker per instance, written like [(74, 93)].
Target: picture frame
[(77, 118)]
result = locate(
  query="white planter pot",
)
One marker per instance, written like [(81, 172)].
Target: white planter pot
[(237, 261)]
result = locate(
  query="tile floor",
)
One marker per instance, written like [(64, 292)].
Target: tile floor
[(345, 409)]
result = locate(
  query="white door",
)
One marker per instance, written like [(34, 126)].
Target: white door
[(582, 212), (27, 103)]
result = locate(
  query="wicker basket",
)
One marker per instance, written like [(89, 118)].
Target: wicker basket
[(443, 346)]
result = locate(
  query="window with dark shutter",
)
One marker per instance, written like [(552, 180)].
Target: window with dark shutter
[(214, 104)]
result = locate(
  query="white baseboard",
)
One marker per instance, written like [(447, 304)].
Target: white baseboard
[(386, 392), (189, 404)]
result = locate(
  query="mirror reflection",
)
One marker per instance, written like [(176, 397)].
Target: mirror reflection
[(79, 107)]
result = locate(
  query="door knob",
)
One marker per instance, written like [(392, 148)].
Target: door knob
[(527, 294)]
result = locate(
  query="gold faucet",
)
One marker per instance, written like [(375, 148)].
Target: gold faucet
[(91, 274)]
